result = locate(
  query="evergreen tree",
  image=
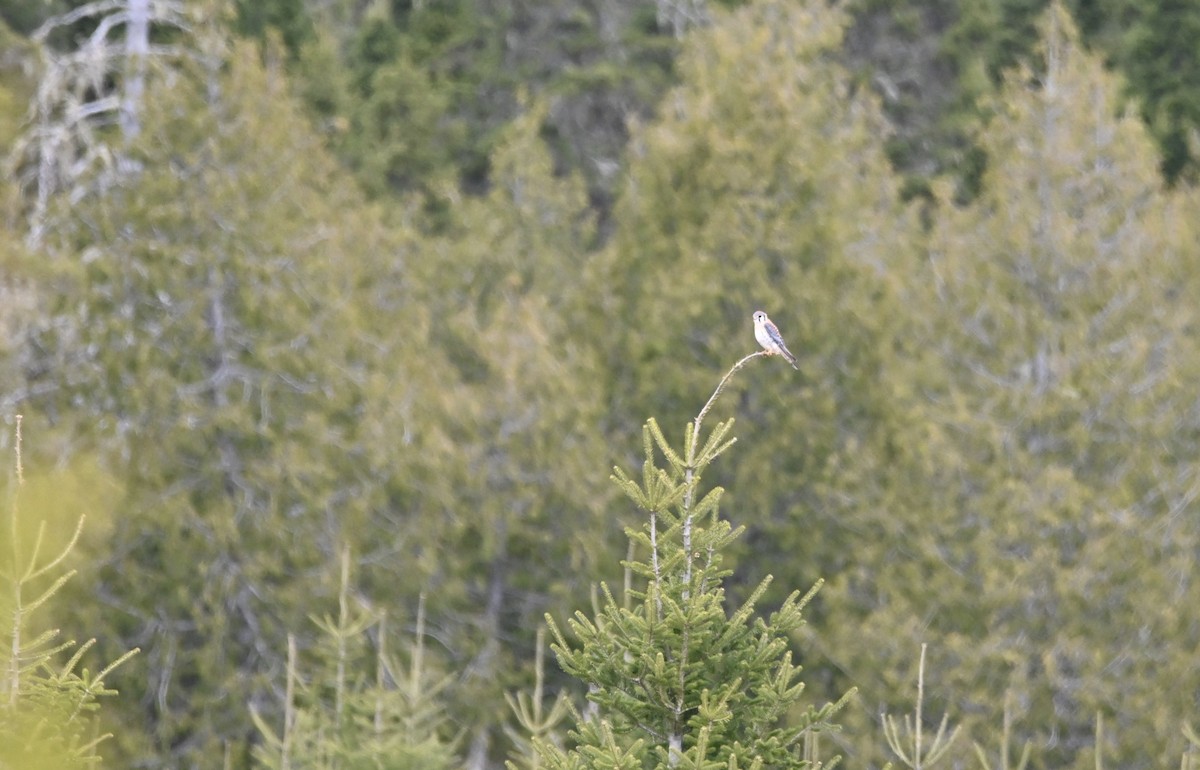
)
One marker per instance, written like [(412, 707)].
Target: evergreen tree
[(289, 18), (339, 716), (986, 446), (763, 186), (935, 64), (1049, 351), (386, 76), (675, 678), (512, 513), (48, 707), (1151, 45), (210, 327)]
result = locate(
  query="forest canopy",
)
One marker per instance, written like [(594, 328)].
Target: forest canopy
[(325, 325)]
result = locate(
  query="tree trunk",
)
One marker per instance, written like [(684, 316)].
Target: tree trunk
[(137, 49)]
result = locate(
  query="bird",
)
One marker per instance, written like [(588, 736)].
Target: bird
[(769, 337)]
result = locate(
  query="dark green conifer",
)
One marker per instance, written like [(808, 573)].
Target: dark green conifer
[(675, 677)]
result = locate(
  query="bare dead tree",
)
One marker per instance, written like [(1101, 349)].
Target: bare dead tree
[(85, 110)]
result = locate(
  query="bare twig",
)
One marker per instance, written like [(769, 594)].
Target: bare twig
[(717, 392), (690, 463)]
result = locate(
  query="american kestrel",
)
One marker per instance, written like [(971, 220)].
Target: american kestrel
[(769, 337)]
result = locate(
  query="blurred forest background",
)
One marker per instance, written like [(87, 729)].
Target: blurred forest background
[(283, 280)]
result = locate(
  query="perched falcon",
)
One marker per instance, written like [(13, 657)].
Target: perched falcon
[(768, 336)]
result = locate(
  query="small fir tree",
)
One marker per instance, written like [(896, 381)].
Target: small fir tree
[(906, 743), (47, 708), (339, 717), (534, 721), (674, 678)]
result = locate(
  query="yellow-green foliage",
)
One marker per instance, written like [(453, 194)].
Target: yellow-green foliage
[(357, 705), (48, 699), (988, 446), (217, 322), (1054, 439), (764, 186)]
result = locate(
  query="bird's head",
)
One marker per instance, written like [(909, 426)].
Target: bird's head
[(759, 317)]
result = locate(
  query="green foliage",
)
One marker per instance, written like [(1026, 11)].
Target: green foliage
[(288, 18), (515, 521), (677, 680), (246, 333), (1004, 738), (429, 87), (15, 87), (1159, 56), (25, 17), (335, 717), (535, 723), (986, 446), (764, 186), (1150, 44), (48, 708), (399, 131), (413, 76), (935, 64), (1049, 356), (214, 334)]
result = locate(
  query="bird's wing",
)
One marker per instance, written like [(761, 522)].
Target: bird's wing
[(773, 333)]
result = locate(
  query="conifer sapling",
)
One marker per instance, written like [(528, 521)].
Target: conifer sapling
[(674, 677)]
